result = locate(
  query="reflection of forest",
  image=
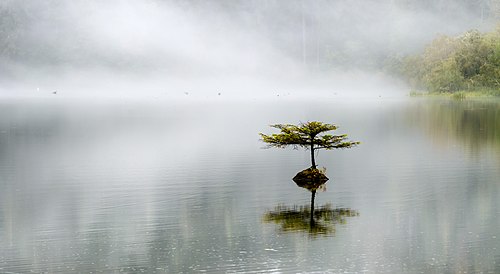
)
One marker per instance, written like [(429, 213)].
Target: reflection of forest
[(474, 123), (296, 218), (454, 194)]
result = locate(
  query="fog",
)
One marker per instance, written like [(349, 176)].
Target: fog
[(163, 171), (215, 49)]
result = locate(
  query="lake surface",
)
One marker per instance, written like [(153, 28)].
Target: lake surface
[(185, 187)]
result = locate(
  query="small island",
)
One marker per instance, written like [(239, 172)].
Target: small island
[(310, 136)]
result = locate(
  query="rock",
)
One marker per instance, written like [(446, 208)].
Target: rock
[(311, 178)]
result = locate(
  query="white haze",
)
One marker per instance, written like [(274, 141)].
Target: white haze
[(166, 49)]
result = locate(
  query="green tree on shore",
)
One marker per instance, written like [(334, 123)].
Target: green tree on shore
[(468, 62)]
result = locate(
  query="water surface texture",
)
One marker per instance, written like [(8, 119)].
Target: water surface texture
[(185, 188)]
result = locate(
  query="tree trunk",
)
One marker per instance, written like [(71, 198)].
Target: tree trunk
[(313, 194), (313, 162)]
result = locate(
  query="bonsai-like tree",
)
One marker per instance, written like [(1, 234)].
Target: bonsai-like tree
[(309, 136)]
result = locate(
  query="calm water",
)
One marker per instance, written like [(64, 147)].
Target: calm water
[(130, 187)]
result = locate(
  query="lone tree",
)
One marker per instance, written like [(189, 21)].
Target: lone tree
[(309, 136)]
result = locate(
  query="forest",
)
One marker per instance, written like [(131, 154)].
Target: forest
[(468, 62)]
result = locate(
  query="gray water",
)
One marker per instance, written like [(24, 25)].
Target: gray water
[(185, 187)]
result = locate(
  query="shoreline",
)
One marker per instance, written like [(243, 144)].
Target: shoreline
[(462, 94)]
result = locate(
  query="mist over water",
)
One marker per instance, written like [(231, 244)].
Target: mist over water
[(129, 139), (241, 48)]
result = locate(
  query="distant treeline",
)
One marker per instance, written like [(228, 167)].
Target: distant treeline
[(468, 62)]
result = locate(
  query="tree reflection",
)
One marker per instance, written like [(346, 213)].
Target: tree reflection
[(296, 218), (311, 179)]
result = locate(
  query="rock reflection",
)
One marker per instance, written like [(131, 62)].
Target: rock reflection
[(296, 218)]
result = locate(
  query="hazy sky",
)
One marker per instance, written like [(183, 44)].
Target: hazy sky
[(208, 46)]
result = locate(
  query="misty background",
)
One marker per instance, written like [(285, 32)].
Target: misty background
[(175, 180), (243, 47)]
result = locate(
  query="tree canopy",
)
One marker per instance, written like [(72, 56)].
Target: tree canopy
[(309, 136), (468, 62)]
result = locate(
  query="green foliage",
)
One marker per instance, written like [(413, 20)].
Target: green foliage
[(444, 76), (451, 64), (307, 135), (460, 95)]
